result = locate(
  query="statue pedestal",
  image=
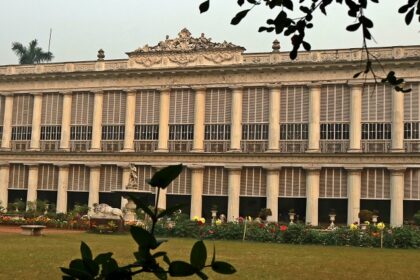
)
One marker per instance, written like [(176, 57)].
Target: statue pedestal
[(130, 212)]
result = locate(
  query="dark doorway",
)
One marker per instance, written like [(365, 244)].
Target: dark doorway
[(14, 195), (410, 208), (112, 199), (326, 205), (383, 206), (209, 201), (251, 206), (286, 204), (172, 200), (73, 198)]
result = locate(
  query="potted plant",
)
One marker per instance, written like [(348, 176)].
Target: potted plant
[(292, 215), (264, 213), (365, 215)]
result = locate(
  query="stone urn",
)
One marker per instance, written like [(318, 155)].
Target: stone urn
[(213, 216), (332, 220), (130, 211), (374, 219), (292, 217)]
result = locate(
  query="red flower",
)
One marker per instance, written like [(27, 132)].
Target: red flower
[(283, 228)]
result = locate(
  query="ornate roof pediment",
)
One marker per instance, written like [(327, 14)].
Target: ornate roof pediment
[(185, 50)]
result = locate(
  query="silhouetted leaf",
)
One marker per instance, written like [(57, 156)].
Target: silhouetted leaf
[(85, 251), (409, 16), (239, 16), (181, 269), (103, 258), (202, 275), (404, 9), (165, 176), (223, 268), (143, 237), (356, 75), (268, 29), (141, 205), (353, 27), (91, 266), (204, 6), (198, 255), (306, 46), (288, 4), (241, 2), (170, 210), (76, 273)]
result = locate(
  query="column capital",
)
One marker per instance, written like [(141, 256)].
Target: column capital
[(4, 164), (65, 92), (97, 91), (234, 167), (166, 90), (37, 93), (198, 89), (130, 91), (272, 167), (195, 167), (236, 87), (93, 165), (6, 94), (355, 84), (314, 85), (274, 86), (355, 169), (397, 171), (312, 168)]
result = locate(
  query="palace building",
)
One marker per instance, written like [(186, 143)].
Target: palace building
[(254, 130)]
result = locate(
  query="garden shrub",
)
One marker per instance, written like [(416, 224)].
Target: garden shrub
[(416, 218), (405, 237)]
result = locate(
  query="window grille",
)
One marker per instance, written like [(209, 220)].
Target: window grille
[(411, 130), (333, 183), (376, 131), (52, 132), (335, 131), (292, 182), (52, 109), (294, 131), (79, 176), (147, 107), (181, 132), (47, 177), (21, 133), (412, 184), (182, 184), (215, 181), (253, 181), (113, 132), (217, 132), (375, 184), (294, 113), (18, 176), (254, 131), (146, 132), (144, 173), (82, 109), (111, 178), (81, 132)]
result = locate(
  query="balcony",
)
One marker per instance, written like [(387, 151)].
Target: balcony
[(412, 146), (112, 145), (79, 145), (293, 146), (180, 146), (254, 146), (334, 146), (376, 146), (50, 145), (145, 145), (20, 145), (216, 146)]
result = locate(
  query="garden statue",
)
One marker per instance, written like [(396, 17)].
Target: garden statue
[(133, 179), (105, 211)]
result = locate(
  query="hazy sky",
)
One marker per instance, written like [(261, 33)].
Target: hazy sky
[(81, 27)]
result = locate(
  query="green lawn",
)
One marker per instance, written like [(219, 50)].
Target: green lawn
[(23, 257)]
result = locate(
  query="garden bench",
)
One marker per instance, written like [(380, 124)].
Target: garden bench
[(32, 230)]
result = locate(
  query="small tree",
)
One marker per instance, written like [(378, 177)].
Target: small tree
[(103, 266), (31, 54)]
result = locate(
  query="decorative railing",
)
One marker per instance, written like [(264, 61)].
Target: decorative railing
[(216, 146), (50, 145), (145, 145), (293, 146), (80, 145), (253, 146), (412, 146), (180, 146), (334, 146), (376, 146), (112, 145), (20, 145)]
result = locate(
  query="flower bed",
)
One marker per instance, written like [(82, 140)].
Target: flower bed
[(402, 237)]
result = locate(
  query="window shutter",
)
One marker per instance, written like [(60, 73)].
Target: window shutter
[(52, 109), (82, 108), (111, 178), (144, 172), (292, 182), (335, 103), (255, 105), (215, 181), (333, 183), (22, 109), (412, 184), (18, 176), (377, 103), (182, 184), (147, 107), (47, 177), (375, 184), (181, 109), (253, 182), (412, 103), (218, 106), (79, 176), (294, 105), (114, 108)]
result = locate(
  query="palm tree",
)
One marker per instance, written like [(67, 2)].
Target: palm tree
[(32, 54)]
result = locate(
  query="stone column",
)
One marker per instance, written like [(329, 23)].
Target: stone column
[(65, 122), (314, 117), (197, 175), (36, 122), (199, 115), (274, 119), (234, 188), (397, 143), (4, 184), (273, 181), (355, 118), (130, 115), (95, 173), (7, 123), (354, 185), (63, 182), (97, 122), (312, 195), (164, 121), (236, 127), (397, 197), (32, 184)]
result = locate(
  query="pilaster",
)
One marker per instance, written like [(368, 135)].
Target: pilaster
[(63, 180), (36, 122), (354, 185), (4, 184), (274, 119), (7, 123), (197, 175), (397, 197), (312, 195), (355, 118), (314, 117), (273, 181), (97, 122), (164, 122), (236, 127), (397, 131), (199, 115), (65, 122), (95, 173), (234, 187), (130, 114), (32, 184)]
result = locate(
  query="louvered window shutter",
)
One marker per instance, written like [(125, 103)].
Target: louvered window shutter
[(215, 181), (182, 184), (114, 107), (111, 178), (412, 103), (255, 105), (181, 109), (218, 106), (294, 104), (79, 176), (82, 108), (333, 183), (144, 173), (412, 184), (18, 176), (22, 109), (52, 109), (147, 107), (253, 182), (377, 103), (335, 104), (375, 184), (47, 177), (292, 182)]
